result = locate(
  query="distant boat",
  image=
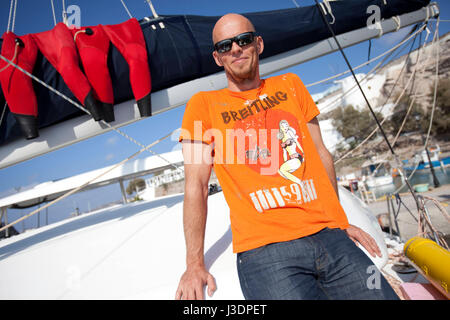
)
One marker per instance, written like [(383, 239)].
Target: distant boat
[(376, 173), (420, 160)]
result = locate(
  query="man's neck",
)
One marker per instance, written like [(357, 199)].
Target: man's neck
[(244, 84)]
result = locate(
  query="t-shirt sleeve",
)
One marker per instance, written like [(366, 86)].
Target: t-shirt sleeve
[(306, 102), (196, 120)]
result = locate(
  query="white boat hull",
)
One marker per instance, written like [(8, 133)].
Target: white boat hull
[(133, 251), (379, 181)]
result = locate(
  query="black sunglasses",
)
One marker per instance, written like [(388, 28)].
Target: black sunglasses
[(242, 40)]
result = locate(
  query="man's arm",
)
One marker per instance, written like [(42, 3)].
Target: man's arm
[(356, 234), (197, 171), (325, 155)]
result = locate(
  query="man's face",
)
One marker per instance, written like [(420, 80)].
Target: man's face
[(240, 63)]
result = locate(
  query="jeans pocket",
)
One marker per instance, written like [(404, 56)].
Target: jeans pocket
[(249, 254)]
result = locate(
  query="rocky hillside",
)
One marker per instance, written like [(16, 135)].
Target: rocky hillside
[(377, 88), (425, 75)]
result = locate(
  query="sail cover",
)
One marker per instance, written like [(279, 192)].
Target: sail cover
[(179, 50)]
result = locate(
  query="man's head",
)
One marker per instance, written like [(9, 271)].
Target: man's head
[(240, 63)]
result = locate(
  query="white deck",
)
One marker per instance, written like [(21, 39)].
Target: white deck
[(133, 251)]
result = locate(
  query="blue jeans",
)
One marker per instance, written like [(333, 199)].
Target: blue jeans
[(325, 265)]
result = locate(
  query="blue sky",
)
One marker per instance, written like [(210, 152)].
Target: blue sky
[(35, 16)]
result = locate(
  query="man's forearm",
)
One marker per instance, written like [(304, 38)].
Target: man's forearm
[(324, 154), (194, 221), (327, 160)]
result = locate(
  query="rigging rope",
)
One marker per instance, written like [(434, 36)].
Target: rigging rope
[(412, 100), (14, 17), (126, 9), (53, 12), (365, 98), (353, 74), (10, 14), (373, 70), (436, 80), (350, 90), (398, 98), (3, 113), (152, 9), (64, 12), (435, 38), (16, 49), (368, 62), (424, 219), (86, 183)]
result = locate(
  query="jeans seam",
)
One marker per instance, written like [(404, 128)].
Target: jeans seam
[(242, 276), (319, 284), (323, 251)]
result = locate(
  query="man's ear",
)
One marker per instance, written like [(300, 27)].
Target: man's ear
[(260, 44), (217, 58)]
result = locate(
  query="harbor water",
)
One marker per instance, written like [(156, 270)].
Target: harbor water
[(419, 177)]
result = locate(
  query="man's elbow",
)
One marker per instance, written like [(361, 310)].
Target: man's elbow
[(196, 188)]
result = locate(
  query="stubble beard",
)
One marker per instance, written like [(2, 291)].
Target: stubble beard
[(246, 73)]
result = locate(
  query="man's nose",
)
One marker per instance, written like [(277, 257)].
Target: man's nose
[(235, 48)]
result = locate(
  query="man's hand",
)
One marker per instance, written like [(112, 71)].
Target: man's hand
[(358, 236), (192, 283)]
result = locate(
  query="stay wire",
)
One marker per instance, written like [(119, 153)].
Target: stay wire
[(414, 94), (407, 38), (375, 69), (391, 92), (365, 98), (3, 113), (436, 80), (53, 12), (126, 9)]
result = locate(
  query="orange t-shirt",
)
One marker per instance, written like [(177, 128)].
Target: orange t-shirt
[(265, 159)]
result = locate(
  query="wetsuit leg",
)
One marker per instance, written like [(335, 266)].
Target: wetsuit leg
[(17, 86), (93, 45), (58, 47), (128, 38)]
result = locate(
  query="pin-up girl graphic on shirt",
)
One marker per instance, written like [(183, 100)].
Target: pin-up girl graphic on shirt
[(293, 154)]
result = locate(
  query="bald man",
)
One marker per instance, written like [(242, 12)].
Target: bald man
[(291, 235)]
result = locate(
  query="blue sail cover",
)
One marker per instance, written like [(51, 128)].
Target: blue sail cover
[(182, 50)]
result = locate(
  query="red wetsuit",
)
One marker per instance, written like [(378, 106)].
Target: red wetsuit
[(17, 86), (58, 47), (93, 45), (128, 38)]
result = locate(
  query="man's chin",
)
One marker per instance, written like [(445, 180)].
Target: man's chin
[(242, 75)]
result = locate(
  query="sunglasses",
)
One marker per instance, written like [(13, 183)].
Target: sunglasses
[(242, 40)]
